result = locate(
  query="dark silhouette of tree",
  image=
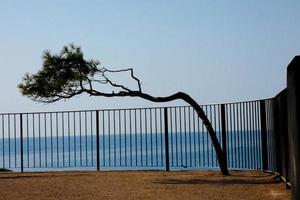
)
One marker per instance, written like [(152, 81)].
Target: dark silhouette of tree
[(68, 74)]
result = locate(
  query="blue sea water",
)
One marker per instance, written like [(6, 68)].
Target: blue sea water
[(136, 151)]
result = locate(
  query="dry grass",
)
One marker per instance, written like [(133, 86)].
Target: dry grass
[(141, 185)]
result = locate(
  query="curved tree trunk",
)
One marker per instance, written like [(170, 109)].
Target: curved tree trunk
[(198, 109)]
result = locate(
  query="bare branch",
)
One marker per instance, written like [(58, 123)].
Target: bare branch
[(115, 85), (103, 70)]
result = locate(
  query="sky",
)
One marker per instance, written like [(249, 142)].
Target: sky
[(216, 51)]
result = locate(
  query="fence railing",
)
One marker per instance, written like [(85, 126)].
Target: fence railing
[(138, 138)]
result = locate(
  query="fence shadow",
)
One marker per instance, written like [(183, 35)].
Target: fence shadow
[(220, 181), (43, 175)]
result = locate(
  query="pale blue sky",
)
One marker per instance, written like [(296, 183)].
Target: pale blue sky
[(216, 51)]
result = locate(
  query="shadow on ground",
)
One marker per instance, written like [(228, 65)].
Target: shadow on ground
[(220, 181), (42, 175)]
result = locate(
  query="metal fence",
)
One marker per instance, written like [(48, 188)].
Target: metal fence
[(277, 150), (138, 138)]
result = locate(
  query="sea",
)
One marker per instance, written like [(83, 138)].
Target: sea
[(129, 151)]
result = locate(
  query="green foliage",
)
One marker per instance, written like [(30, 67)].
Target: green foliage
[(62, 75)]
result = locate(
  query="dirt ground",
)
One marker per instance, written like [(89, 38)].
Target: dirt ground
[(141, 185)]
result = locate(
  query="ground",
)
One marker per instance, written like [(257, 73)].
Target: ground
[(141, 185)]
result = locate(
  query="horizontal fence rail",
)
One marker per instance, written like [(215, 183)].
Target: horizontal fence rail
[(139, 138)]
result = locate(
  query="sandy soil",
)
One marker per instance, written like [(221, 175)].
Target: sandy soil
[(141, 185)]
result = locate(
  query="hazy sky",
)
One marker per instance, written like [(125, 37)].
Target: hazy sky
[(216, 51)]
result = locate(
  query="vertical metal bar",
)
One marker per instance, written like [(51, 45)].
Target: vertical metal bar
[(146, 135), (180, 134), (151, 141), (125, 136), (3, 143), (27, 132), (257, 136), (224, 139), (207, 150), (156, 140), (220, 124), (231, 133), (194, 131), (74, 140), (103, 139), (114, 125), (40, 153), (248, 134), (227, 111), (171, 121), (199, 140), (86, 138), (252, 136), (264, 146), (45, 126), (141, 136), (69, 139), (130, 135), (176, 136), (166, 140), (190, 139), (238, 131), (63, 136), (33, 139), (270, 135), (108, 132), (39, 139), (8, 131), (92, 141), (21, 138), (98, 140), (252, 141), (211, 145), (135, 140), (215, 127), (15, 140), (120, 138), (80, 139), (161, 135), (203, 141), (185, 132), (51, 139), (234, 134), (57, 145), (244, 136)]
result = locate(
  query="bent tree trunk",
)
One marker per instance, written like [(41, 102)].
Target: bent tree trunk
[(183, 96)]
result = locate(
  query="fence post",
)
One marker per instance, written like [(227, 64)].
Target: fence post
[(277, 147), (224, 139), (97, 140), (283, 135), (166, 139), (264, 144), (293, 111), (21, 141)]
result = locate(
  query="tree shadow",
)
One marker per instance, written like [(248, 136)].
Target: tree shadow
[(42, 175), (220, 181)]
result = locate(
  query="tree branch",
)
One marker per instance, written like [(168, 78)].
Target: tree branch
[(103, 70), (115, 85)]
